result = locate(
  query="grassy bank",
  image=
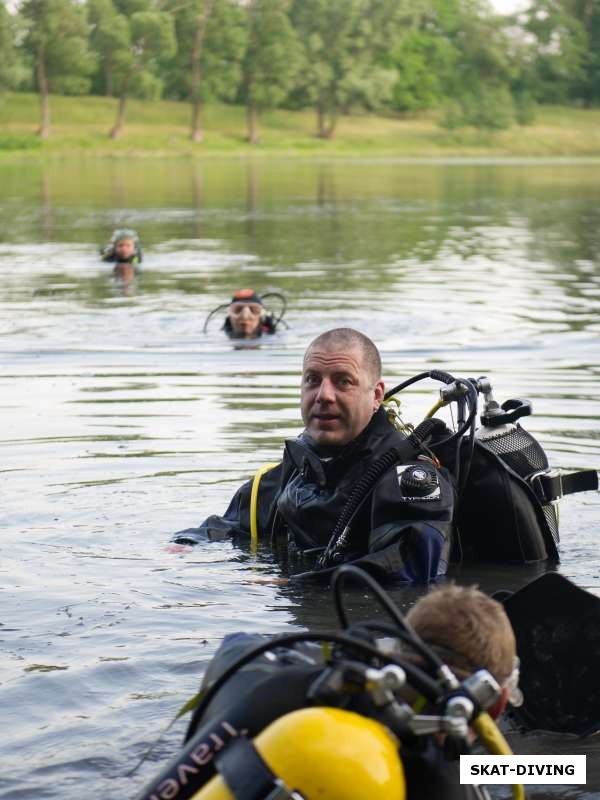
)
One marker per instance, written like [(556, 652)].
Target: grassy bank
[(80, 127)]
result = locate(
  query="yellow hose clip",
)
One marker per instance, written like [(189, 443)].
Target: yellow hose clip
[(495, 743), (254, 503)]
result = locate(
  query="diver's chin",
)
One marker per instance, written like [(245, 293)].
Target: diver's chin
[(327, 433), (247, 333)]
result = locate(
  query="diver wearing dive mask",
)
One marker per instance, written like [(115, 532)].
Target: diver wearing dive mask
[(246, 316)]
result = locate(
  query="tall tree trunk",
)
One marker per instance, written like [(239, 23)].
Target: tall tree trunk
[(120, 121), (333, 117), (108, 79), (320, 120), (252, 123), (197, 134), (44, 129), (326, 126)]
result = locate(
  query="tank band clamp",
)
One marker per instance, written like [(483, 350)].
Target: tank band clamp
[(550, 486), (248, 776)]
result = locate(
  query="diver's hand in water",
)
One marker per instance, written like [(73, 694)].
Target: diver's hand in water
[(178, 548), (189, 537)]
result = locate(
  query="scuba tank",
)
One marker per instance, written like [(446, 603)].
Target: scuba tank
[(517, 448), (328, 753), (508, 510)]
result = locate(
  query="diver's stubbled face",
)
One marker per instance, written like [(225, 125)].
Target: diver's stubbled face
[(245, 319), (124, 249), (339, 395)]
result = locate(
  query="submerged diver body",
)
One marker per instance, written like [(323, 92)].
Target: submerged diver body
[(401, 529)]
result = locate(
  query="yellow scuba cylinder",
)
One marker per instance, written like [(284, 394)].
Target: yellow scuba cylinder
[(327, 754)]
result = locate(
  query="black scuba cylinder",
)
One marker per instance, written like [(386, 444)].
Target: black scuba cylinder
[(501, 517), (516, 447)]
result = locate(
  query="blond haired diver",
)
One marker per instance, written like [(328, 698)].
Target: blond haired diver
[(125, 251), (380, 708)]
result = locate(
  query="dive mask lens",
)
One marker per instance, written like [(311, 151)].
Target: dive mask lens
[(237, 309), (515, 697)]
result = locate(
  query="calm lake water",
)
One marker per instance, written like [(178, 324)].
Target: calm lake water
[(122, 422)]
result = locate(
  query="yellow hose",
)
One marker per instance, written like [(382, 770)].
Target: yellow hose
[(254, 504), (496, 744), (440, 403)]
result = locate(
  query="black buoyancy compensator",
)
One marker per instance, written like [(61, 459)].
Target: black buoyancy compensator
[(508, 510)]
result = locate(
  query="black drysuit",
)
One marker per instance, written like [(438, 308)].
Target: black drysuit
[(402, 530)]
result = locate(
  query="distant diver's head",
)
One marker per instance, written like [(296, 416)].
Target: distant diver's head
[(245, 314), (125, 244)]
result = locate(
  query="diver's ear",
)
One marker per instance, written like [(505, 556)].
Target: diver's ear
[(497, 709), (378, 395)]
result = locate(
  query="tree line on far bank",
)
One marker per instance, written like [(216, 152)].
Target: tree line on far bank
[(336, 56)]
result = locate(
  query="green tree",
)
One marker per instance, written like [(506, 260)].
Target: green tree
[(9, 55), (56, 38), (109, 36), (211, 42), (478, 87), (421, 58), (272, 60), (557, 42), (146, 39), (347, 44), (587, 85)]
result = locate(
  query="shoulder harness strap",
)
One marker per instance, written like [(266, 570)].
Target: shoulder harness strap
[(248, 776), (554, 485)]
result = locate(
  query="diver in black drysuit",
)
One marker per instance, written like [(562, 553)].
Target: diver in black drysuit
[(401, 531)]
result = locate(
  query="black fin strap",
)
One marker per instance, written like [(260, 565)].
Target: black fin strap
[(247, 775), (553, 486)]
